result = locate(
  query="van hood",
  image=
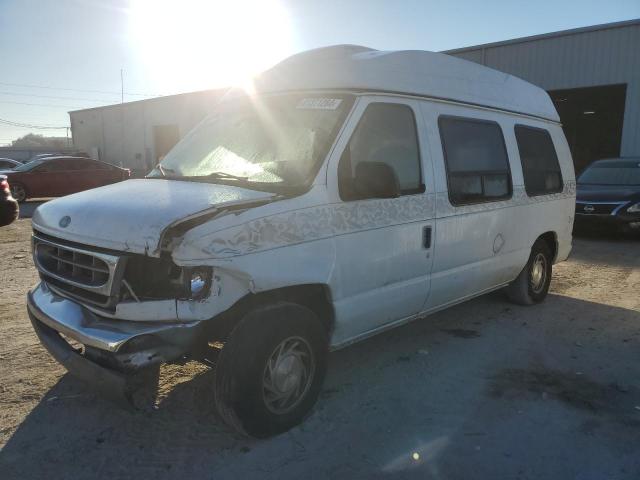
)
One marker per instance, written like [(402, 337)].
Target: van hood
[(132, 215)]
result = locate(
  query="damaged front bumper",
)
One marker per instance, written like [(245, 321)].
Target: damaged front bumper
[(105, 352)]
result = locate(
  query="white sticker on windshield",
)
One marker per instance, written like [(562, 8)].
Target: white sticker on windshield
[(319, 103)]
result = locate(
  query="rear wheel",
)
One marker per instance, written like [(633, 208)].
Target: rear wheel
[(532, 285), (18, 192), (271, 368)]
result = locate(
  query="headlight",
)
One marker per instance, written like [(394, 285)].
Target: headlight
[(159, 279), (199, 282), (635, 208)]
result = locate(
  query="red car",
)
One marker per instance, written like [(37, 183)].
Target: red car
[(63, 175)]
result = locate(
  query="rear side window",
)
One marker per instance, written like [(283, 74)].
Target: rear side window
[(476, 160), (100, 166), (82, 164), (51, 166), (76, 164), (386, 134), (72, 164), (540, 166)]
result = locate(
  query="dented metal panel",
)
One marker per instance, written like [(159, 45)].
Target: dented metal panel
[(131, 216)]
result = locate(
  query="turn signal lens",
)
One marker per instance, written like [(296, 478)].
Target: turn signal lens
[(199, 282)]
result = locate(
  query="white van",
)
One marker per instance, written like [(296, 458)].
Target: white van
[(353, 191)]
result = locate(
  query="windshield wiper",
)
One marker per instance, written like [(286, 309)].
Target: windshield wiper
[(225, 176), (165, 173), (289, 190), (164, 170)]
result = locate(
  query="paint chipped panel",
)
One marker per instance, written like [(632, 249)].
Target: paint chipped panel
[(319, 222), (131, 216), (326, 221)]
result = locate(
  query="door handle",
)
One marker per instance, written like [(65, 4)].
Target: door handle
[(426, 236)]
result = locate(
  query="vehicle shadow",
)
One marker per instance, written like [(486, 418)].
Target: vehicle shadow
[(606, 234), (595, 247), (482, 390)]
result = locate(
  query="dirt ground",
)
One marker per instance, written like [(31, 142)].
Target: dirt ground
[(483, 390)]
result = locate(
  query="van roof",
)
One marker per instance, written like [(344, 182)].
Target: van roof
[(413, 72)]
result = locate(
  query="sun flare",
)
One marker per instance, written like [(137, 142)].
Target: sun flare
[(193, 44)]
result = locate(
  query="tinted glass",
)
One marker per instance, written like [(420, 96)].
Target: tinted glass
[(70, 164), (4, 164), (476, 160), (612, 173), (540, 166), (30, 165), (386, 134), (81, 164), (51, 166), (98, 165)]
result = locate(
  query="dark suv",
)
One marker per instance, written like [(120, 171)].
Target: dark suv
[(608, 195)]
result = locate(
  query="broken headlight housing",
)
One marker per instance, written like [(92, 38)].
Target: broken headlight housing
[(160, 279), (197, 281)]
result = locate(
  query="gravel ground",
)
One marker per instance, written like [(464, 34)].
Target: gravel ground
[(483, 390)]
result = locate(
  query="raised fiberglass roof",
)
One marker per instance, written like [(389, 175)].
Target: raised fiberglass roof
[(412, 72)]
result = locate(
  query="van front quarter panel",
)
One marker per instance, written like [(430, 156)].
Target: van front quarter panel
[(269, 269)]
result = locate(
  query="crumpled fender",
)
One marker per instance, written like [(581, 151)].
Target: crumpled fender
[(236, 277)]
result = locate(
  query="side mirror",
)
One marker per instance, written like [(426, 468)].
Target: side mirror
[(376, 180)]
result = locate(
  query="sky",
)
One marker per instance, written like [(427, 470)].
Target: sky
[(62, 55)]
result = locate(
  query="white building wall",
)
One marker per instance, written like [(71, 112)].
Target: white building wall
[(123, 134), (584, 57)]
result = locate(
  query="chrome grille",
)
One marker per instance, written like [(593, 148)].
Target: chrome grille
[(92, 277), (73, 265)]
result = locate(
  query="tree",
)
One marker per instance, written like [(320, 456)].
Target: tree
[(32, 140)]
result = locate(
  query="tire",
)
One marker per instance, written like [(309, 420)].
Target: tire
[(9, 212), (532, 285), (18, 192), (276, 348)]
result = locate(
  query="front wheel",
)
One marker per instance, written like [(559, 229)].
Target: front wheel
[(271, 369), (532, 285), (18, 192)]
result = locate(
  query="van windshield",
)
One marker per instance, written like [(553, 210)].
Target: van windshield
[(273, 143), (624, 173)]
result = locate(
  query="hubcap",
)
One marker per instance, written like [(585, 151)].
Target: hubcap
[(538, 273), (17, 192), (288, 375)]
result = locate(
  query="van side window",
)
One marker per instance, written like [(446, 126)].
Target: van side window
[(476, 160), (386, 134), (540, 166)]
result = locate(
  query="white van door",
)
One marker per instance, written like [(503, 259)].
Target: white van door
[(383, 263), (477, 237)]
